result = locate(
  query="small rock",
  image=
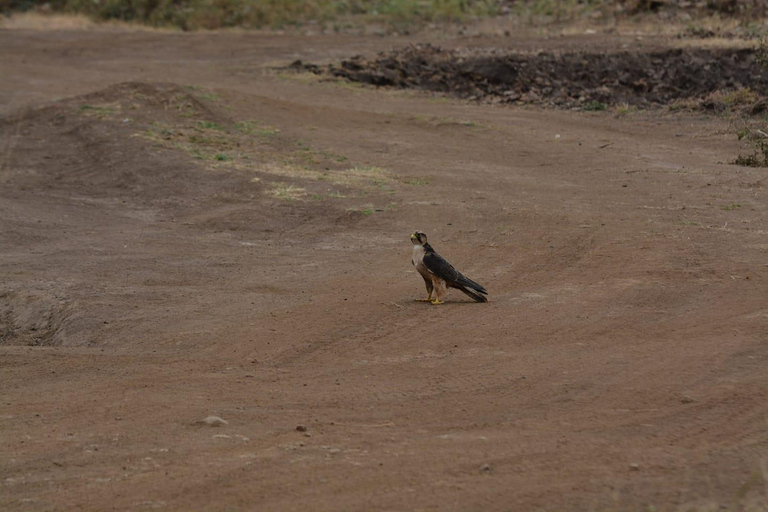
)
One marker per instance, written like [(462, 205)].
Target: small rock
[(687, 400), (215, 421), (485, 468), (301, 428), (531, 97), (634, 466)]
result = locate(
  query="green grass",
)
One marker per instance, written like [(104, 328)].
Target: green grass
[(210, 125), (253, 128), (366, 210), (732, 206), (594, 106), (203, 94), (207, 14), (416, 181), (625, 109), (210, 96), (96, 110)]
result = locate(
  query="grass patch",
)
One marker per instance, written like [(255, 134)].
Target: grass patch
[(625, 109), (99, 111), (758, 141), (287, 192), (416, 181), (315, 174), (253, 128), (209, 96), (333, 156), (203, 94), (741, 97), (210, 125), (732, 206), (688, 223), (594, 106), (366, 210), (338, 14)]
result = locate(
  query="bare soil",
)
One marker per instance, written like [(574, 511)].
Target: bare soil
[(186, 232)]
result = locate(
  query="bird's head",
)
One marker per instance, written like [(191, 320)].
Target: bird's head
[(418, 238)]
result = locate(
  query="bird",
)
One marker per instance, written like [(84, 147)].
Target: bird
[(439, 275)]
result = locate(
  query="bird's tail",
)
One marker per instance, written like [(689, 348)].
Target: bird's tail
[(477, 297), (468, 283)]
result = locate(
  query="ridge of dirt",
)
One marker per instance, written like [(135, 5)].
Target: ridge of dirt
[(159, 153), (570, 80)]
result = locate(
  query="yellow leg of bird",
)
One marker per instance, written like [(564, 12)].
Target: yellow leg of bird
[(440, 292), (428, 299)]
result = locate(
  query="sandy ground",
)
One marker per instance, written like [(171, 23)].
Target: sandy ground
[(186, 233)]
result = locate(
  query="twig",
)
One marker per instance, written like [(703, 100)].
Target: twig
[(393, 303), (605, 145)]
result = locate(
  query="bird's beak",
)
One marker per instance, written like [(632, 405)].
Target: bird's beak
[(413, 237)]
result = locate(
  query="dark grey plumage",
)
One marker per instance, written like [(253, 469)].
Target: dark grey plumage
[(440, 267)]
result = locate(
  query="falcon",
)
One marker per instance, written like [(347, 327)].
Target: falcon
[(439, 275)]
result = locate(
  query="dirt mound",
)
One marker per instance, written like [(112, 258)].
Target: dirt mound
[(587, 80), (91, 180)]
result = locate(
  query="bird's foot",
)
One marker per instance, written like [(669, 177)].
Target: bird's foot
[(436, 302)]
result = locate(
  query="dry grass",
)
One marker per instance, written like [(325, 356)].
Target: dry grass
[(286, 191), (32, 20), (258, 151), (38, 21), (331, 14)]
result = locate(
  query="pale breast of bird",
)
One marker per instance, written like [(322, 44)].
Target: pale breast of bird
[(417, 259)]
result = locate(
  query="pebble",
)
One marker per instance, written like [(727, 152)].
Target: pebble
[(485, 468), (634, 466), (215, 421), (301, 428)]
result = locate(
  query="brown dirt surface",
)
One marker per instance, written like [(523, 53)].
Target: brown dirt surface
[(207, 301)]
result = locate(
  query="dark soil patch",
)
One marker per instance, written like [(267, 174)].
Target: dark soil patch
[(583, 80)]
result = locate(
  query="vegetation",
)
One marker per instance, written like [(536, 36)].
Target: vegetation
[(756, 138), (594, 106), (213, 14)]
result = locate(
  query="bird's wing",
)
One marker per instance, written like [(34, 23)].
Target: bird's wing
[(444, 270)]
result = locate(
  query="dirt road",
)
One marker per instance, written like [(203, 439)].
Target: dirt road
[(186, 233)]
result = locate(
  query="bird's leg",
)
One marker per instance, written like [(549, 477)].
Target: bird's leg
[(428, 299), (430, 288), (440, 292)]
